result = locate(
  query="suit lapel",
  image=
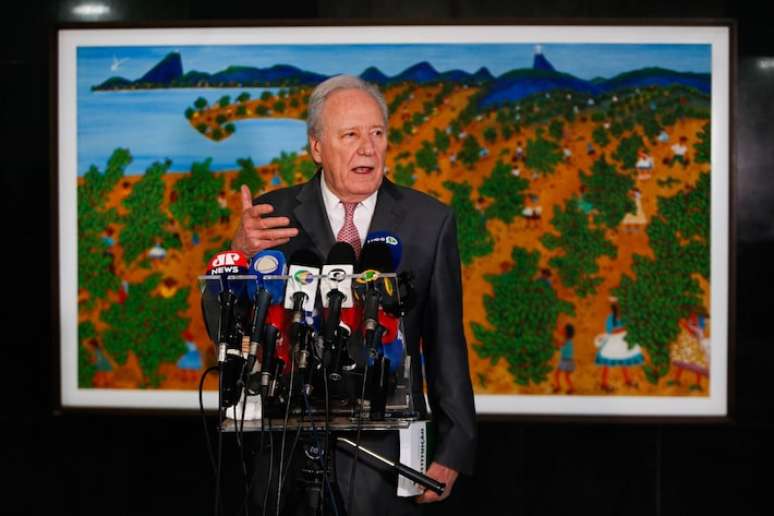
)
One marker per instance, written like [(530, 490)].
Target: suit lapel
[(389, 213), (310, 213)]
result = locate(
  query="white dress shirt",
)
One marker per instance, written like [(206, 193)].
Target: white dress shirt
[(335, 210)]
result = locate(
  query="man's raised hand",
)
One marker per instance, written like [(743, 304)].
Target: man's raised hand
[(257, 232)]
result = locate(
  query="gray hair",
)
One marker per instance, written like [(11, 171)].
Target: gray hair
[(326, 88)]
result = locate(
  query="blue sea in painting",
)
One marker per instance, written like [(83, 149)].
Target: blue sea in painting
[(152, 125)]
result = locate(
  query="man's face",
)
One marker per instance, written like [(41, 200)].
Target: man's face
[(352, 145)]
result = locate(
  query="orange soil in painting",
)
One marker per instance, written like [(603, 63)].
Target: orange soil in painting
[(181, 268)]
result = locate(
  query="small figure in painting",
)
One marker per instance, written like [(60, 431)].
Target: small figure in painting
[(614, 351), (157, 252), (644, 165), (691, 352), (583, 203), (532, 212), (191, 362), (566, 361), (633, 222), (679, 152)]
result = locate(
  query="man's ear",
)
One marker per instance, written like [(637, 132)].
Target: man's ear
[(314, 148)]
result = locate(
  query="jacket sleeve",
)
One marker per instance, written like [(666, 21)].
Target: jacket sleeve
[(446, 357)]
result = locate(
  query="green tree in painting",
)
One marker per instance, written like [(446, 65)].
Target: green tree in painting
[(94, 258), (395, 136), (654, 301), (224, 101), (426, 158), (581, 246), (243, 97), (490, 135), (249, 176), (664, 288), (145, 220), (196, 205), (703, 147), (404, 173), (626, 152), (474, 238), (266, 95), (650, 125), (308, 168), (600, 137), (200, 103), (86, 366), (147, 325), (556, 130), (522, 314), (441, 140), (608, 192), (470, 152), (507, 192), (687, 215), (279, 106), (286, 164), (542, 155)]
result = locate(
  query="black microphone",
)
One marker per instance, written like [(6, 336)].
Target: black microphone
[(300, 296), (224, 266), (266, 263), (336, 293), (375, 259)]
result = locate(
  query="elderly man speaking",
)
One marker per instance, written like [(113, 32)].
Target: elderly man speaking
[(347, 130)]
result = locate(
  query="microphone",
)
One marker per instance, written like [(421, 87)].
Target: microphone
[(375, 259), (267, 291), (392, 242), (224, 265), (336, 293), (301, 291), (300, 296), (399, 295)]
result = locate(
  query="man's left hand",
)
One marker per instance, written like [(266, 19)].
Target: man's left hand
[(440, 473)]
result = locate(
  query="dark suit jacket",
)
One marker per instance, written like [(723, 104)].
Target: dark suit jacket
[(428, 233)]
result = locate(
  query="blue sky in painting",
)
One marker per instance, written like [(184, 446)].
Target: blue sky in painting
[(585, 61)]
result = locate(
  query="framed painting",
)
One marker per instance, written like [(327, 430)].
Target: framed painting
[(587, 167)]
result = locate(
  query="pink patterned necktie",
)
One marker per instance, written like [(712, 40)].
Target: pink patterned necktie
[(348, 232)]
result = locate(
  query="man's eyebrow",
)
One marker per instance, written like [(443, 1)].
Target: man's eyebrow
[(351, 128)]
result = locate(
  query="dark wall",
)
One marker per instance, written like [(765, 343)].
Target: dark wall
[(107, 464)]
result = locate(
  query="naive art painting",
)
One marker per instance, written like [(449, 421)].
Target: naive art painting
[(587, 168)]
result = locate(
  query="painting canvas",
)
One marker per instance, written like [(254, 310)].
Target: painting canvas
[(587, 168)]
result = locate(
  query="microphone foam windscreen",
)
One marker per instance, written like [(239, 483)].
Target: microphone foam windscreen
[(306, 258), (341, 253), (393, 244), (376, 256)]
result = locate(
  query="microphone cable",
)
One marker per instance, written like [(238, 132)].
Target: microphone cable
[(271, 468), (240, 436), (284, 434), (353, 468), (326, 482), (210, 453)]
